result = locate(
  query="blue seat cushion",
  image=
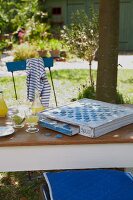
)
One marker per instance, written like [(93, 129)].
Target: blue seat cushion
[(90, 185)]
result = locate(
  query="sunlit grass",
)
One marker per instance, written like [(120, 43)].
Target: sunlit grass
[(125, 83), (67, 84)]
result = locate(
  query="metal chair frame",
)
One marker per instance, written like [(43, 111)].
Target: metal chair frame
[(21, 65)]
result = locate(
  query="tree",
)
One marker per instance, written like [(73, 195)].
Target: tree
[(108, 51), (82, 36)]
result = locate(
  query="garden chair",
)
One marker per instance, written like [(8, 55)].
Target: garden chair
[(21, 65), (98, 184)]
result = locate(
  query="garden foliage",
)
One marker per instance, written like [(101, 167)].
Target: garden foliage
[(82, 35), (15, 14), (25, 51)]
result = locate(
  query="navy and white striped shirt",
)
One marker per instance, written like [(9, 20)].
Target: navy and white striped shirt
[(37, 79)]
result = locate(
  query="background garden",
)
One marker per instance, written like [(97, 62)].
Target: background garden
[(41, 39)]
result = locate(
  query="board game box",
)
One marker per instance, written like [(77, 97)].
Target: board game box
[(94, 118)]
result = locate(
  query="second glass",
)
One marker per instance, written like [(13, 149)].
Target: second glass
[(32, 121)]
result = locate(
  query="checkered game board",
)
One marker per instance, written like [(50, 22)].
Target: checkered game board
[(93, 117)]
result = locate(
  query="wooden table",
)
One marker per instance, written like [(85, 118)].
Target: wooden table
[(25, 151)]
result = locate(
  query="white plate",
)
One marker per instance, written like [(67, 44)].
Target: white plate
[(6, 130)]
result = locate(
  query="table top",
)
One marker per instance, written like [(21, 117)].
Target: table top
[(22, 138)]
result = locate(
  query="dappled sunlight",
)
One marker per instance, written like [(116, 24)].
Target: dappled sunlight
[(16, 185), (116, 136)]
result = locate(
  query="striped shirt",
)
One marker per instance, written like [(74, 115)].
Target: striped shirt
[(37, 80)]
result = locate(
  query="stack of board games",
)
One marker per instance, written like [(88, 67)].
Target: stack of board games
[(88, 117)]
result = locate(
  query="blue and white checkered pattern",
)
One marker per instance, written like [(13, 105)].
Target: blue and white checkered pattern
[(94, 118)]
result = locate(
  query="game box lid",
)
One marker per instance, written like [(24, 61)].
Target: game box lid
[(94, 117)]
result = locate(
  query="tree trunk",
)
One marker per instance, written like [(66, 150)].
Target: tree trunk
[(108, 51)]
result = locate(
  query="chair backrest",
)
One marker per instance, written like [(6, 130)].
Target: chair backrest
[(21, 65)]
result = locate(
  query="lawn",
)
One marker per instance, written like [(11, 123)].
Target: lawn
[(16, 186), (67, 84)]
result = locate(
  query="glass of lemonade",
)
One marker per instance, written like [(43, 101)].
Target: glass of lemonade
[(17, 115), (32, 121)]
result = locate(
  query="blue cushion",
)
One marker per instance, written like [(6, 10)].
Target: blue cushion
[(90, 185)]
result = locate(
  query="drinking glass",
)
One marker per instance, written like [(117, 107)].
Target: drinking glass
[(32, 121), (17, 115)]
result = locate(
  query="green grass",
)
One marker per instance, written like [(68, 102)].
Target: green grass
[(15, 186), (67, 84), (7, 86), (125, 84)]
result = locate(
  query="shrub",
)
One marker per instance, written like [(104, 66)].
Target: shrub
[(41, 44), (55, 44), (121, 99), (87, 92), (37, 30), (4, 44), (90, 93), (25, 51)]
